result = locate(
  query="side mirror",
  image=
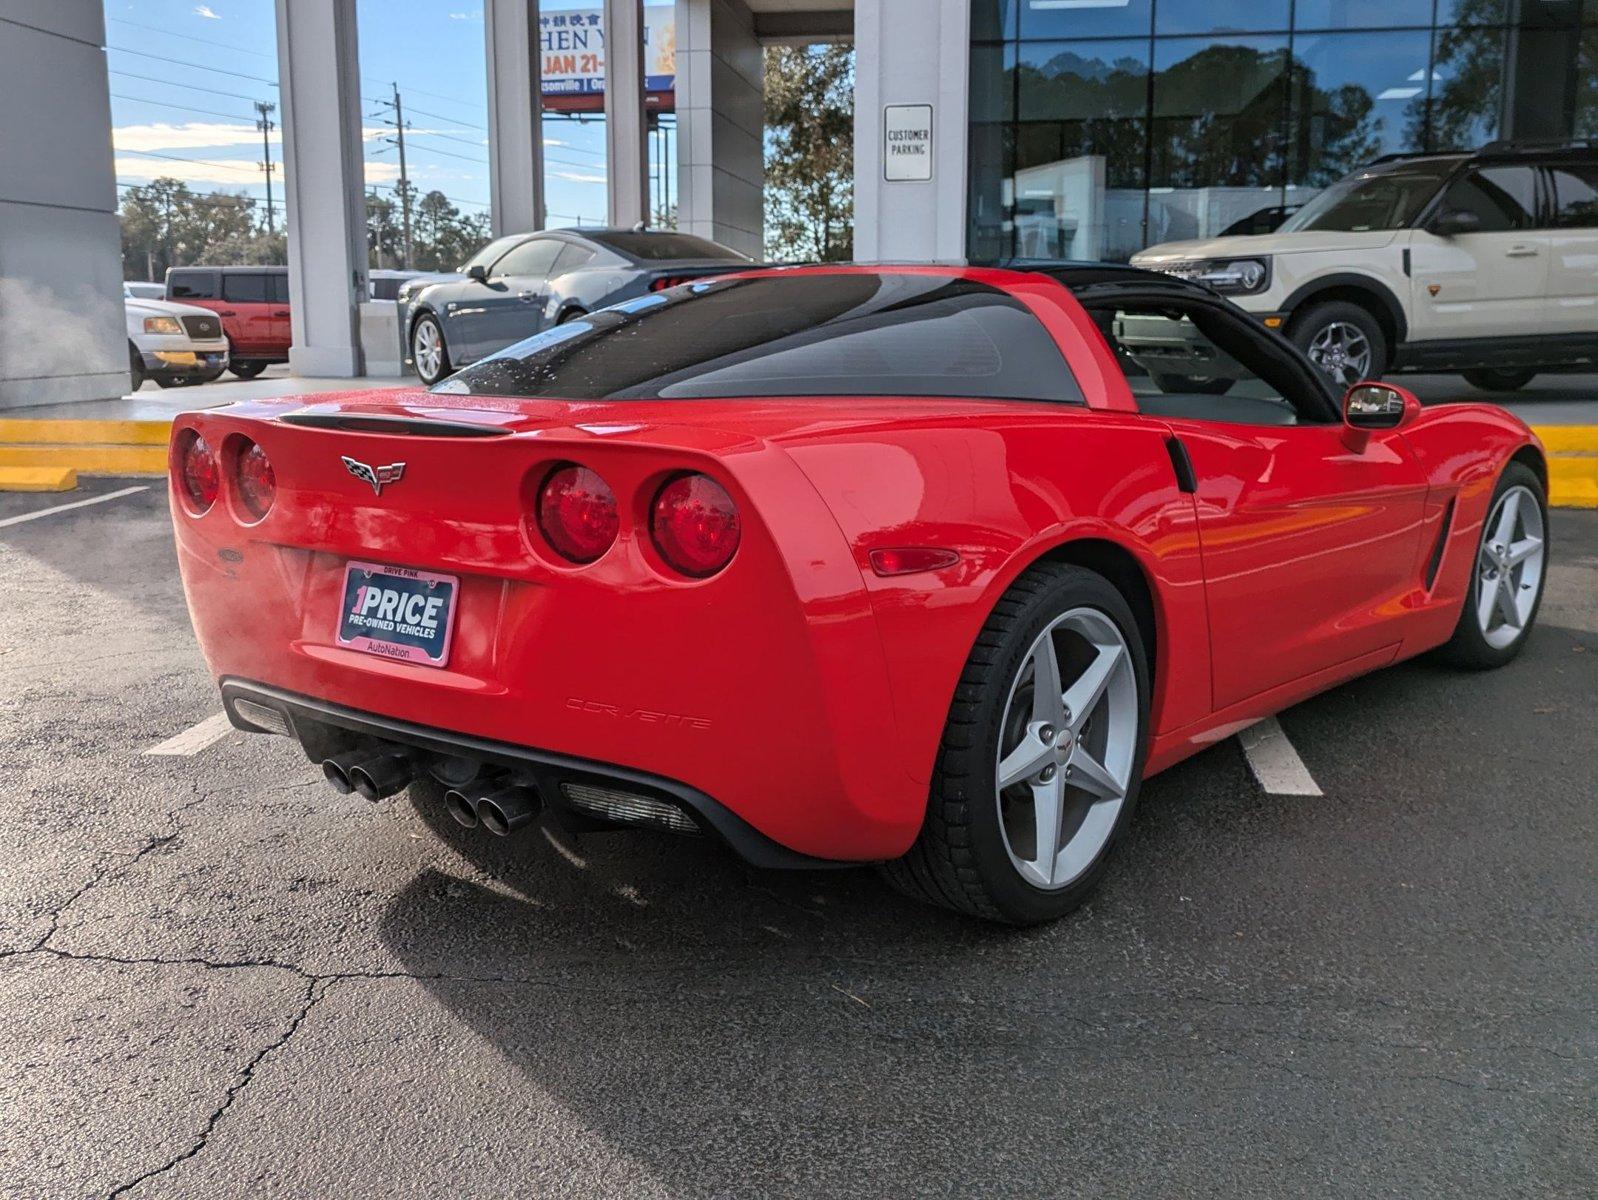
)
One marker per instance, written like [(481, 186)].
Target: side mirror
[(1370, 406), (1453, 222), (478, 272)]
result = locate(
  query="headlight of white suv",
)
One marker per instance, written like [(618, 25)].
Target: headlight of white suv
[(162, 325), (1229, 276)]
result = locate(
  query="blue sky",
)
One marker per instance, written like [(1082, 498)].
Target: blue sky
[(184, 77)]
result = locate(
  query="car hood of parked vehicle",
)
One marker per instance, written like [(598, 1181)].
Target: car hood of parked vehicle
[(155, 308), (1310, 241)]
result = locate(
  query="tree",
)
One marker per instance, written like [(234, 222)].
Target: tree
[(810, 153), (165, 224)]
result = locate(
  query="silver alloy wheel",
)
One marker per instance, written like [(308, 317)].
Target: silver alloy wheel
[(427, 349), (1509, 567), (1342, 351), (1067, 744)]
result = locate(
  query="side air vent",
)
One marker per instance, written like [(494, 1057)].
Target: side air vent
[(1443, 530), (412, 426)]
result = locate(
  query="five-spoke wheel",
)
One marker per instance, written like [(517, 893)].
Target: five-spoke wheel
[(1506, 580)]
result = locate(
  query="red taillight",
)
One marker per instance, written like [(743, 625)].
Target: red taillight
[(695, 525), (668, 281), (257, 481), (911, 559), (577, 513), (199, 471)]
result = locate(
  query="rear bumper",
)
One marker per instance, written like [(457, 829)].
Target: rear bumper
[(316, 723)]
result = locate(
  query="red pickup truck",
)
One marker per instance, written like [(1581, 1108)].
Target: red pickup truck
[(253, 303)]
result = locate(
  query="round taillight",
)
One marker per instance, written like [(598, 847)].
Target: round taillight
[(695, 525), (577, 513), (257, 481), (199, 471)]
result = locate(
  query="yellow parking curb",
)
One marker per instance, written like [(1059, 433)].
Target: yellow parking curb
[(81, 433), (1572, 464), (37, 479), (88, 460)]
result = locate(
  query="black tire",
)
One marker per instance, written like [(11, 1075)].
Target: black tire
[(444, 367), (1193, 384), (136, 367), (1491, 380), (1309, 324), (1469, 647), (571, 314), (959, 860), (248, 368), (173, 381)]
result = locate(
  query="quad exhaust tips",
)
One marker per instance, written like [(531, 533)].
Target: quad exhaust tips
[(501, 811), (367, 775)]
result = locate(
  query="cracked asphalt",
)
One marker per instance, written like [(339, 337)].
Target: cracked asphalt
[(220, 979)]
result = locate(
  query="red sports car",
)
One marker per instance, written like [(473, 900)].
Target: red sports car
[(921, 566)]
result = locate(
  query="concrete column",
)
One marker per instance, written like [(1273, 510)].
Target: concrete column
[(721, 124), (626, 152), (515, 116), (62, 334), (319, 81), (911, 52)]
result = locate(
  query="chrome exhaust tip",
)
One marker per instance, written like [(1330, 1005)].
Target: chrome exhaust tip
[(509, 809), (336, 770), (461, 807), (383, 775)]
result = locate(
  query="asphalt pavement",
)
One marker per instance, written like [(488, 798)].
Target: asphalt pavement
[(221, 979)]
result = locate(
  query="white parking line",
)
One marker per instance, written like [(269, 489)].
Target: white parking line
[(49, 512), (1275, 763), (195, 738)]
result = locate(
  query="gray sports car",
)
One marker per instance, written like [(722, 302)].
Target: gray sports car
[(519, 285)]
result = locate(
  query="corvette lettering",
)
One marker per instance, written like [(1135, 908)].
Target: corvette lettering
[(647, 716)]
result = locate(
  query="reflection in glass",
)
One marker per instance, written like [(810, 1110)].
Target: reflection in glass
[(1356, 96), (1222, 16), (1078, 189), (1467, 88), (1216, 140), (1363, 14), (1389, 196), (1085, 18)]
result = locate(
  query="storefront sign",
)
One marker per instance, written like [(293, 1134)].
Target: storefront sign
[(573, 61), (907, 143)]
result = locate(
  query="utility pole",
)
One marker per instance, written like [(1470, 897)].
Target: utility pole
[(398, 122), (265, 125)]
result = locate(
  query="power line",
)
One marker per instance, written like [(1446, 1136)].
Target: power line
[(209, 162), (422, 112), (190, 37), (183, 62), (189, 86), (210, 112)]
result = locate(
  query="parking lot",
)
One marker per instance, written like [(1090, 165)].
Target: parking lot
[(221, 979)]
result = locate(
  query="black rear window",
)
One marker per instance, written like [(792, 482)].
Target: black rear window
[(840, 334), (660, 247), (244, 289), (191, 285)]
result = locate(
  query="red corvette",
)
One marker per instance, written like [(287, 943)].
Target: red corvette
[(924, 566)]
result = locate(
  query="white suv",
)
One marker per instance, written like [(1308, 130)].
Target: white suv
[(173, 344), (1484, 264)]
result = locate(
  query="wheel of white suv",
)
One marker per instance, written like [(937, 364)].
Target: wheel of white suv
[(428, 350), (1499, 380), (1342, 339), (1042, 755)]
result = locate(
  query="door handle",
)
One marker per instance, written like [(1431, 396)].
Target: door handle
[(226, 312), (527, 295), (281, 313), (1521, 252)]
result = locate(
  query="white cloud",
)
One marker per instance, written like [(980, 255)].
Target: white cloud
[(221, 175), (204, 10), (189, 135), (476, 15), (576, 178)]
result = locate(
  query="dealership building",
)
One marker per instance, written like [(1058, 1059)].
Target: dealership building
[(984, 129)]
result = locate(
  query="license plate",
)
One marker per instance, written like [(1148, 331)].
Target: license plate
[(398, 613)]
